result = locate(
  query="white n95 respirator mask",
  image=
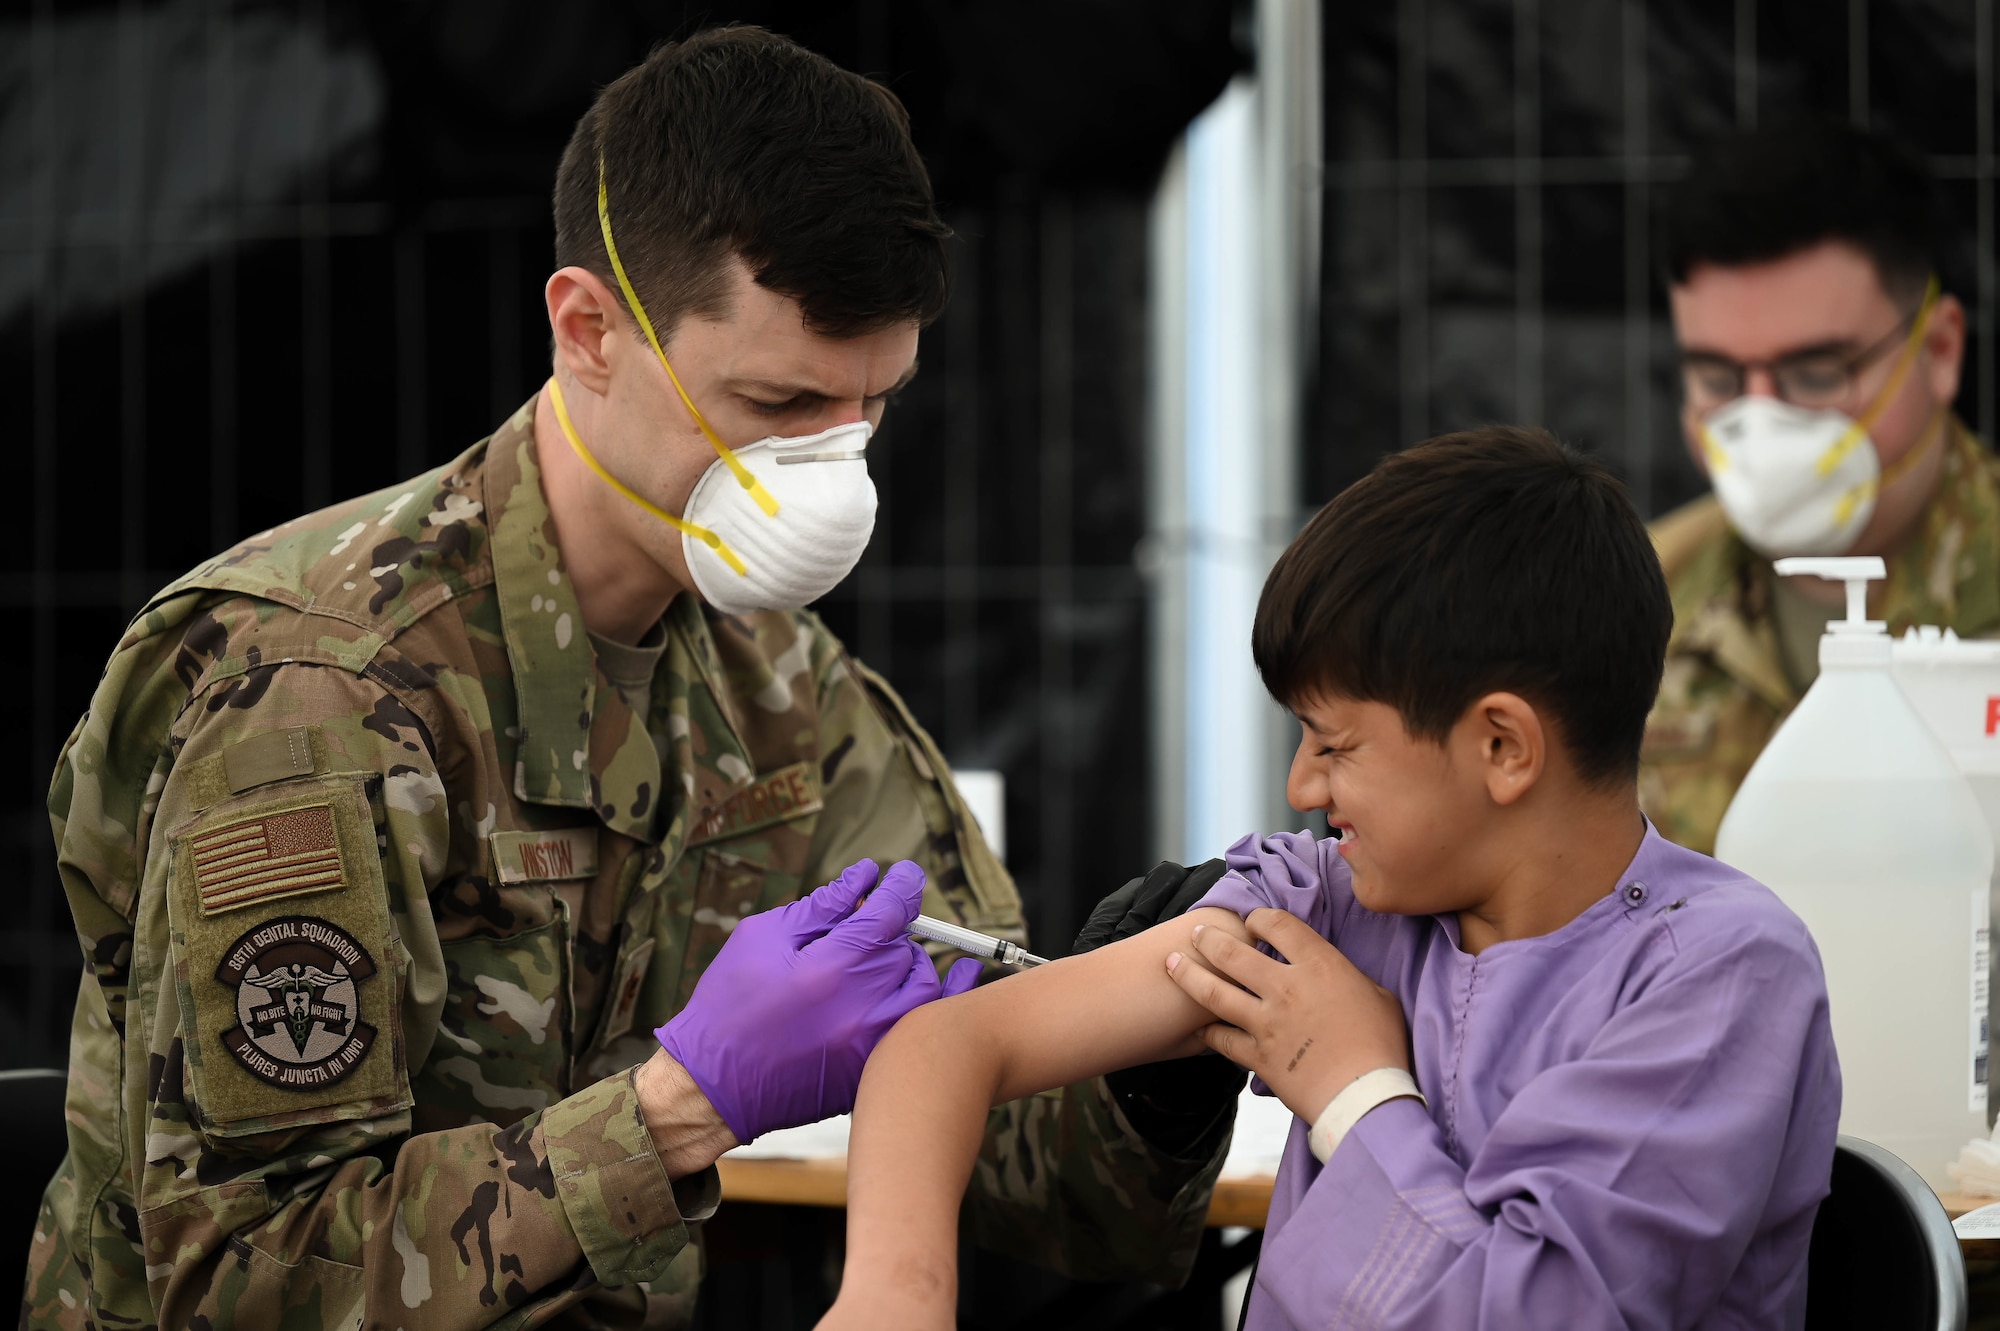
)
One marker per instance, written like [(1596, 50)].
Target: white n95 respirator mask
[(1802, 480), (773, 525), (826, 513), (1793, 481)]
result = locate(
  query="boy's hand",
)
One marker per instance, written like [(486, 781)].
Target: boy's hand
[(1308, 1025)]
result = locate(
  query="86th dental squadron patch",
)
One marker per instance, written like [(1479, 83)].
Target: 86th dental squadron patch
[(298, 1009)]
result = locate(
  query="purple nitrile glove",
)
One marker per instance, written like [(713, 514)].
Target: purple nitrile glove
[(784, 1018)]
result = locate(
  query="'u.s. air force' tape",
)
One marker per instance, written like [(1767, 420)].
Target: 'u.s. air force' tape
[(775, 797)]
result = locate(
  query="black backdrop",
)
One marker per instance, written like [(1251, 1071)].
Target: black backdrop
[(1493, 167), (256, 256)]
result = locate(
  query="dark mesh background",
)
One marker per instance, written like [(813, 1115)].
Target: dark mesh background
[(280, 253)]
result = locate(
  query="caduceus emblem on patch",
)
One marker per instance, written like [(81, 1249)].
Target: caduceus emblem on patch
[(298, 1006)]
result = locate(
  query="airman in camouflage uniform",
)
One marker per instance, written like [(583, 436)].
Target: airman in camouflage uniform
[(382, 885), (1725, 689), (1820, 354)]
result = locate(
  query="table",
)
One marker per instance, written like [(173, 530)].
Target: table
[(1240, 1200), (808, 1166), (1957, 1204)]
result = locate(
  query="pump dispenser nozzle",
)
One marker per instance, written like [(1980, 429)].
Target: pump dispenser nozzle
[(1857, 571), (1856, 640)]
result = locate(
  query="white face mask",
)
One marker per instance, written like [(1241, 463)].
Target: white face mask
[(1793, 481), (826, 513)]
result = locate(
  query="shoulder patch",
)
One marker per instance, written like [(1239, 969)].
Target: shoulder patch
[(287, 967), (298, 1005), (776, 797)]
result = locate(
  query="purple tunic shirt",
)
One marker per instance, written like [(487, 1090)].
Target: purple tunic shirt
[(1631, 1119)]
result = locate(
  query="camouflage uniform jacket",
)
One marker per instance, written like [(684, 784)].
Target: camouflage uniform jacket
[(381, 887), (1725, 689)]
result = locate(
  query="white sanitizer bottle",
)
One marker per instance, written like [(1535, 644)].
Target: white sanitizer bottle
[(1858, 819)]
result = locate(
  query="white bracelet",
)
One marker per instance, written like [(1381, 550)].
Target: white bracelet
[(1360, 1095)]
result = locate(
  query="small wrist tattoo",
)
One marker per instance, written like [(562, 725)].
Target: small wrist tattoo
[(1301, 1054)]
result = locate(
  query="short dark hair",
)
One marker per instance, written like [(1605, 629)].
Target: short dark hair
[(1496, 559), (1774, 191), (739, 142)]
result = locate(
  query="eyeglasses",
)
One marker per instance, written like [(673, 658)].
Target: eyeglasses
[(1813, 379)]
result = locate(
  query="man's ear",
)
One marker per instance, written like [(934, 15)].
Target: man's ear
[(1944, 348), (1511, 741), (583, 315)]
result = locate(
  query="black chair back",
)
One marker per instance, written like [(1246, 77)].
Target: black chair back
[(31, 1123), (1883, 1252)]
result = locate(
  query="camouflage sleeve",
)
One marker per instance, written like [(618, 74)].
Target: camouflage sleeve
[(888, 794), (1063, 1179), (251, 1020)]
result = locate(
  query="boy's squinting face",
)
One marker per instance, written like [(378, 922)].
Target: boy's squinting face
[(1407, 810)]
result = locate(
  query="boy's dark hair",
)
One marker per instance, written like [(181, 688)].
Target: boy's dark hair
[(1496, 559), (739, 142), (1772, 192)]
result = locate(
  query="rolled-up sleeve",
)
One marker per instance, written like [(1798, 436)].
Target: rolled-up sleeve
[(628, 1217)]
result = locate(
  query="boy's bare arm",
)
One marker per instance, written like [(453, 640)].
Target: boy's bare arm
[(923, 1102)]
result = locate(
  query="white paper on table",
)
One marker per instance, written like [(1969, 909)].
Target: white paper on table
[(826, 1139), (1262, 1125), (1981, 1224)]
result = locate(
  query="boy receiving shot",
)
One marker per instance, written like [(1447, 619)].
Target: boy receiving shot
[(1549, 1070)]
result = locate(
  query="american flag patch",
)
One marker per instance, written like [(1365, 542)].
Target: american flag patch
[(259, 859)]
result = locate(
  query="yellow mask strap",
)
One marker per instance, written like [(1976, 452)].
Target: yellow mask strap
[(1717, 459), (1906, 359), (702, 534), (1844, 508), (722, 450)]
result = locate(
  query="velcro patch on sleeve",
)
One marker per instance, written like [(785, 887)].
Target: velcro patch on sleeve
[(287, 966), (790, 792), (265, 857), (556, 856)]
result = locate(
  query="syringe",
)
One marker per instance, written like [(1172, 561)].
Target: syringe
[(978, 944)]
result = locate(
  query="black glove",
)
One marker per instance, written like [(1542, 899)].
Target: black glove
[(1177, 1104)]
